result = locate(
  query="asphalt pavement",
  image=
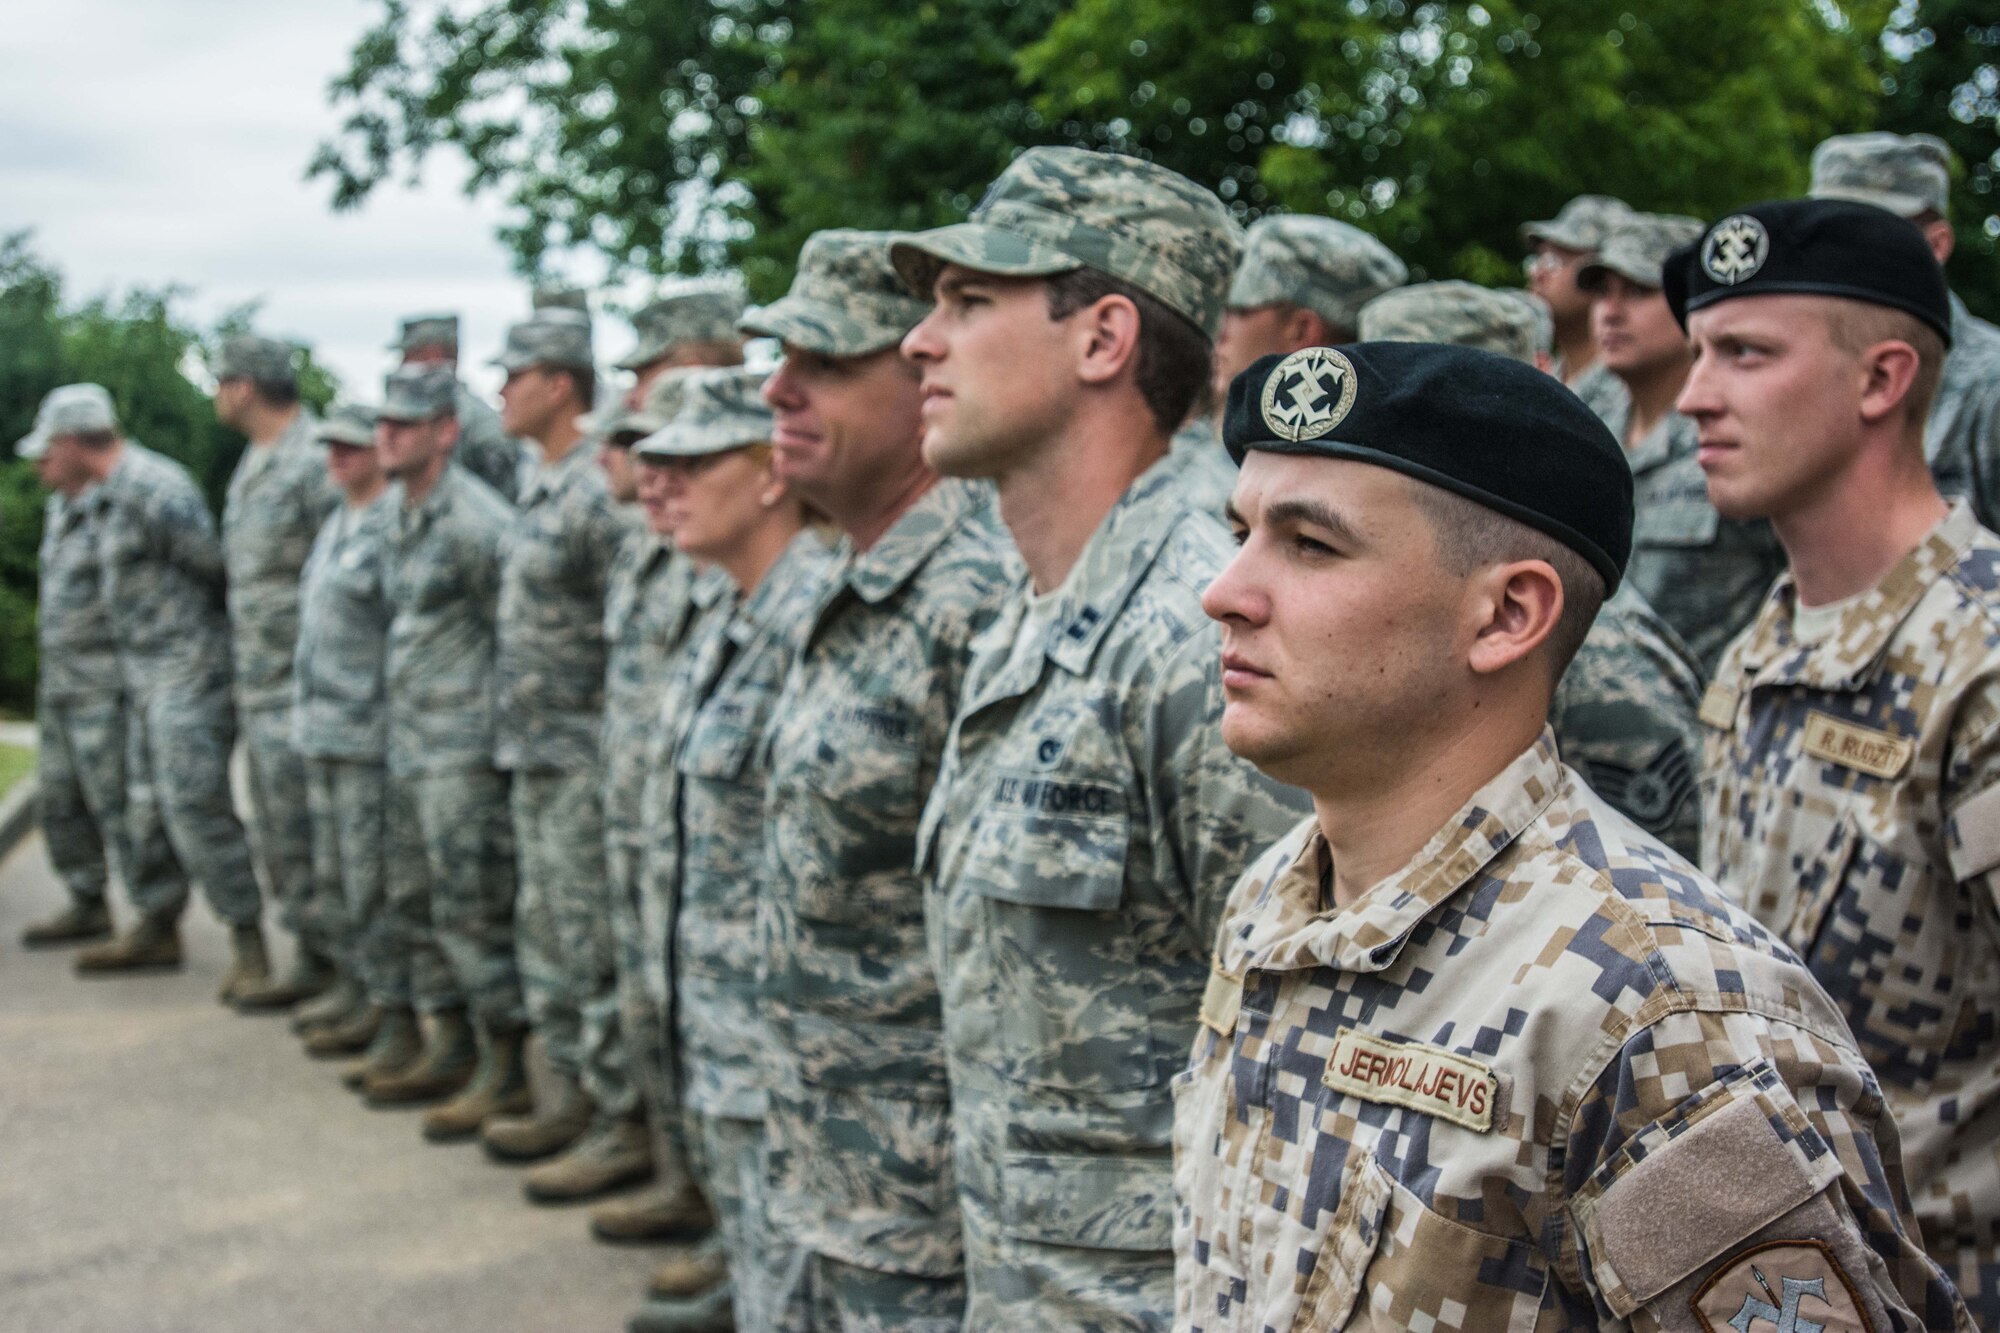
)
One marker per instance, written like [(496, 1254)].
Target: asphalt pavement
[(167, 1164)]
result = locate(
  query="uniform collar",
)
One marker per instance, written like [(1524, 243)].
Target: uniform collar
[(1113, 563), (793, 576), (549, 478), (881, 571), (1289, 927), (1853, 653)]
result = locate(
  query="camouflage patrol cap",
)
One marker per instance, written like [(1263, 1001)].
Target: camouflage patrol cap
[(556, 296), (1056, 210), (1543, 319), (846, 299), (1636, 249), (1323, 264), (618, 423), (696, 310), (1581, 224), (724, 409), (1461, 314), (348, 423), (419, 393), (552, 336), (75, 409), (251, 356), (427, 331), (1908, 174)]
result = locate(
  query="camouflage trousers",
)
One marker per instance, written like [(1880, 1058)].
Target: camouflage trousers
[(834, 1297), (449, 849), (178, 810), (1035, 1281), (281, 827), (643, 1028), (80, 792), (345, 799), (569, 970), (765, 1269)]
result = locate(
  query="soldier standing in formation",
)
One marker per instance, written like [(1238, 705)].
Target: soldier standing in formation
[(490, 453), (1853, 782)]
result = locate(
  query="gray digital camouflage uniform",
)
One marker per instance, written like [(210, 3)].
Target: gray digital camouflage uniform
[(162, 569), (860, 1111), (1704, 574), (79, 711), (1208, 473), (549, 688), (1544, 1076), (340, 728), (1086, 825), (714, 777), (1332, 268), (1852, 794), (450, 848), (278, 497), (485, 449)]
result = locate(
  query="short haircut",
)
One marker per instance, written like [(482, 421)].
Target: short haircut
[(277, 393), (584, 380), (1856, 326), (95, 439), (1472, 537), (1174, 359)]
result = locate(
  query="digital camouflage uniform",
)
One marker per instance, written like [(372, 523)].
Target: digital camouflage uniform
[(339, 727), (1852, 800), (484, 448), (1581, 225), (278, 497), (1544, 1076), (860, 1114), (1910, 175), (450, 850), (1208, 473), (716, 772), (555, 565), (79, 711), (687, 310), (162, 569)]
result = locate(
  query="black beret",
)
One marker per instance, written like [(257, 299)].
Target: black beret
[(1494, 430), (1812, 247)]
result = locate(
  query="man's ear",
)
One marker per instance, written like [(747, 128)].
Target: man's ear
[(1891, 369), (1107, 337), (1520, 605)]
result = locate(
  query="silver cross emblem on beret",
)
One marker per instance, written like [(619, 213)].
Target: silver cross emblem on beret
[(1308, 394), (1734, 249)]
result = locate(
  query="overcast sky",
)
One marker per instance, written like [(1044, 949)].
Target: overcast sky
[(149, 142)]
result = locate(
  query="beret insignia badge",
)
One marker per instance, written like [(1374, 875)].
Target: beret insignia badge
[(1735, 249), (1308, 394)]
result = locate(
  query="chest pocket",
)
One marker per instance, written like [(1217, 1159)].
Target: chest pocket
[(724, 735)]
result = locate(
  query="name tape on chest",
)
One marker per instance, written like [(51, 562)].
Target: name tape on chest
[(1864, 749), (1423, 1078)]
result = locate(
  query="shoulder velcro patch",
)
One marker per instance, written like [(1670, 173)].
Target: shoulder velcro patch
[(1718, 706), (1785, 1284), (1221, 1002), (1423, 1078), (1972, 835), (1863, 749)]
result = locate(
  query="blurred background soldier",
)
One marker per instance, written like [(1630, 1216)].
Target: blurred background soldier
[(450, 841), (339, 720), (162, 576), (1625, 712), (1087, 821), (860, 1109), (1705, 574), (1557, 249), (549, 678), (487, 451), (1910, 175), (278, 497), (689, 323)]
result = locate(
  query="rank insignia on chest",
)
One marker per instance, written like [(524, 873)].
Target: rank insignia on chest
[(1863, 749), (1221, 1002), (1718, 707), (1423, 1078)]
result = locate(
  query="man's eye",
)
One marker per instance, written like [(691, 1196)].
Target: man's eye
[(1239, 535), (1310, 546)]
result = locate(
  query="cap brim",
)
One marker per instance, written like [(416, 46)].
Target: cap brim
[(1591, 276), (346, 438), (1553, 234), (813, 326), (645, 354), (975, 245), (31, 446), (1902, 205)]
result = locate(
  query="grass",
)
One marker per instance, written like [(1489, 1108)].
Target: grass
[(16, 762)]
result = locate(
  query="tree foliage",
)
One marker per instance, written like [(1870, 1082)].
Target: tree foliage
[(138, 347)]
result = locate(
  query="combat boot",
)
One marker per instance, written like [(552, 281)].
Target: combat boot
[(154, 942), (706, 1313), (611, 1155), (341, 1002), (692, 1272), (658, 1214), (355, 1033), (556, 1122), (396, 1046), (312, 973), (498, 1087), (84, 919), (251, 965), (441, 1071)]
